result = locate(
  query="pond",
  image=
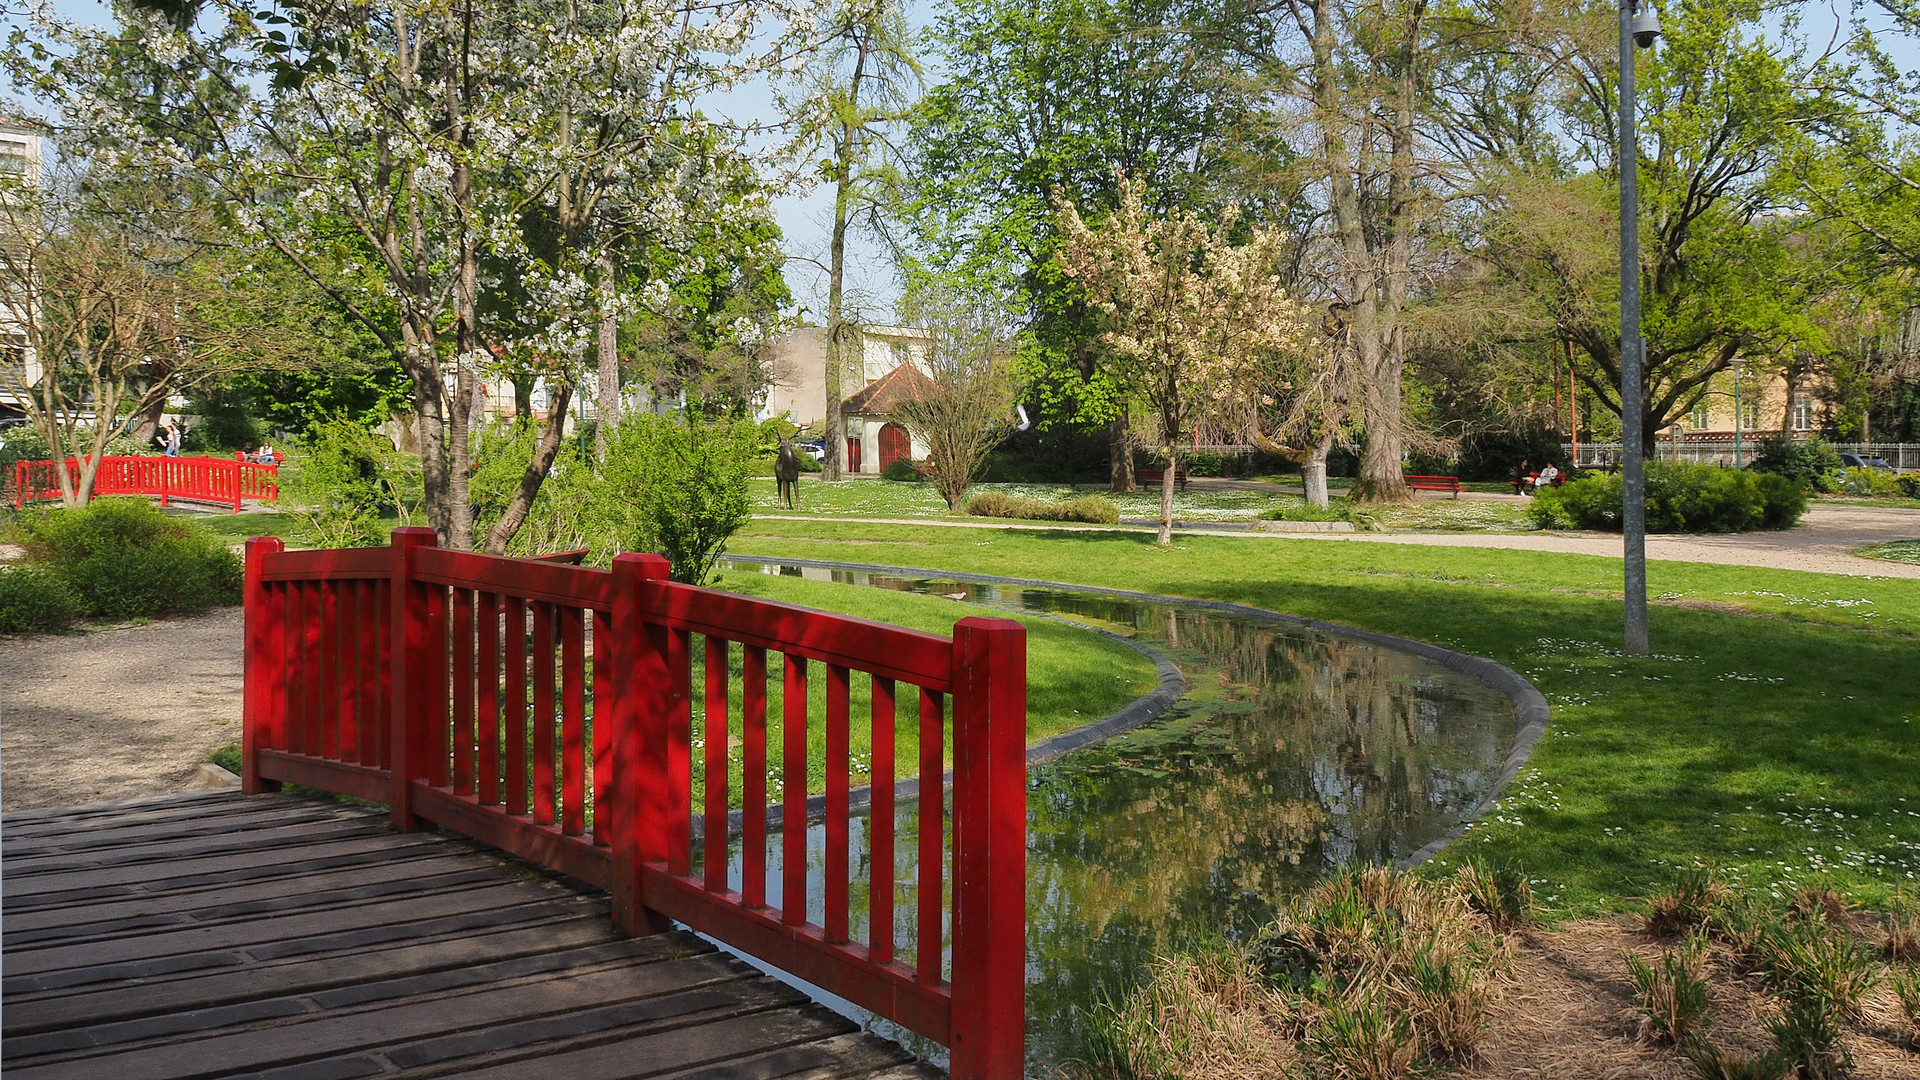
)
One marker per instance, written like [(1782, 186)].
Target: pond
[(1292, 752)]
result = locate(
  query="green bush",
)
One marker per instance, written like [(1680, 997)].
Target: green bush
[(900, 471), (35, 600), (1094, 509), (676, 485), (1292, 509), (342, 477), (1679, 498), (1876, 482), (126, 559), (1813, 463), (557, 520)]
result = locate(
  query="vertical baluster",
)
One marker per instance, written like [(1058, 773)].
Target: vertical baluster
[(350, 669), (516, 705), (837, 766), (462, 725), (383, 708), (713, 733), (312, 614), (486, 617), (573, 662), (932, 839), (543, 713), (680, 752), (329, 681), (436, 772), (280, 687), (603, 724), (753, 776), (793, 792), (293, 647), (880, 826)]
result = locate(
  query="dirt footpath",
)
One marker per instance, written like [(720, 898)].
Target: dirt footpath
[(116, 713)]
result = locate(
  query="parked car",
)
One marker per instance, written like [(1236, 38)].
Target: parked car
[(813, 448), (1861, 461)]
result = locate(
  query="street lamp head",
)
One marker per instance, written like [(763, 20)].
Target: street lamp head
[(1646, 27)]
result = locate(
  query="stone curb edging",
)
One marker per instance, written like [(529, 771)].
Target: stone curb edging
[(1530, 711), (1173, 686)]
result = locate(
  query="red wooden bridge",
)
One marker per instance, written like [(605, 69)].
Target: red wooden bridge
[(550, 712), (226, 481)]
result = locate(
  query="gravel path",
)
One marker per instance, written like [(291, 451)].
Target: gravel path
[(116, 714)]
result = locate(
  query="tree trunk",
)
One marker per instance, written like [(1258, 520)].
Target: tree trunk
[(515, 515), (1313, 471), (1167, 480), (607, 379), (1119, 456), (832, 467), (1381, 477)]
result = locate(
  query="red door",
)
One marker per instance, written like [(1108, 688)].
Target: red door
[(894, 445), (853, 455)]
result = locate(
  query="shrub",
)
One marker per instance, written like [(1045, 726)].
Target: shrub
[(35, 600), (1095, 509), (126, 559), (674, 484), (900, 471), (342, 478), (1711, 1062), (1812, 463), (557, 520), (1875, 482), (1500, 892), (1909, 484), (1689, 905), (1679, 498)]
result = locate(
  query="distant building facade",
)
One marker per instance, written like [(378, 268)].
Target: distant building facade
[(21, 151), (874, 438)]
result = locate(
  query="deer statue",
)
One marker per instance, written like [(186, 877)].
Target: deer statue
[(786, 474)]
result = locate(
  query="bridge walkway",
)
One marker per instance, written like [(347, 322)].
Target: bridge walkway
[(296, 938)]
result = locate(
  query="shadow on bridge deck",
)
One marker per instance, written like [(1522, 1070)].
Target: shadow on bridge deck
[(298, 939)]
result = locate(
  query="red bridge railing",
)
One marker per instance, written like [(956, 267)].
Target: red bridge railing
[(199, 479), (554, 712)]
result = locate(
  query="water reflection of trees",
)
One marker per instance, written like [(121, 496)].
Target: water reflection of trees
[(1323, 751)]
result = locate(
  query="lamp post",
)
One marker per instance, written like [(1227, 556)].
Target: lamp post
[(1637, 30)]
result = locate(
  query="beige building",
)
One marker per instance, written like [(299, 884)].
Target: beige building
[(799, 389), (21, 151)]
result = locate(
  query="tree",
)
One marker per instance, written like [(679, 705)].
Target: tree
[(675, 484), (965, 409), (1718, 275), (124, 300), (1195, 319), (1301, 402), (1053, 99), (864, 81)]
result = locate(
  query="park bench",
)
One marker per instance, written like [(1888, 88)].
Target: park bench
[(1434, 483), (1156, 477)]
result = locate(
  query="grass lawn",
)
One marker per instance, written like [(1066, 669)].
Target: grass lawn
[(1773, 733), (1901, 551), (887, 499)]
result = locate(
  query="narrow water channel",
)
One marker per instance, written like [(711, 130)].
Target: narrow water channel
[(1292, 752)]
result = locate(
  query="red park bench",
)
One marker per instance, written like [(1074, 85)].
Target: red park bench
[(1157, 477), (1434, 483)]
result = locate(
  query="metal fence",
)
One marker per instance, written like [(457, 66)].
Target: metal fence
[(1902, 456)]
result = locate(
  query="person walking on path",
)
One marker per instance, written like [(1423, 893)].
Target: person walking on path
[(173, 440)]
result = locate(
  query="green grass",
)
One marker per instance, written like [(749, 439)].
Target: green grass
[(236, 527), (1772, 735), (1900, 551)]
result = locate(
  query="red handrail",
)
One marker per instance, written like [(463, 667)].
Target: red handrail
[(198, 479), (454, 687)]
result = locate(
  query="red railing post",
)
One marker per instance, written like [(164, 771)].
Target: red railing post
[(640, 714), (412, 668), (989, 849), (263, 694), (236, 483)]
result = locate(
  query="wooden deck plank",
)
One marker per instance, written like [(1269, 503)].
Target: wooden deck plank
[(297, 939)]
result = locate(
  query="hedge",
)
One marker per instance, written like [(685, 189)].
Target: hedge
[(1679, 499)]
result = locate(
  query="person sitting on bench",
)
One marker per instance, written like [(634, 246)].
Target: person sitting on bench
[(1548, 477)]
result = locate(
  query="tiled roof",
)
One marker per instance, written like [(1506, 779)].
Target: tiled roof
[(883, 395)]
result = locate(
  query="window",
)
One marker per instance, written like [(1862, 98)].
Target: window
[(900, 353), (1750, 414), (1702, 417), (13, 158), (1802, 413)]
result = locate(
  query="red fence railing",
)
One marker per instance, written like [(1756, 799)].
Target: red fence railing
[(200, 479), (553, 711)]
